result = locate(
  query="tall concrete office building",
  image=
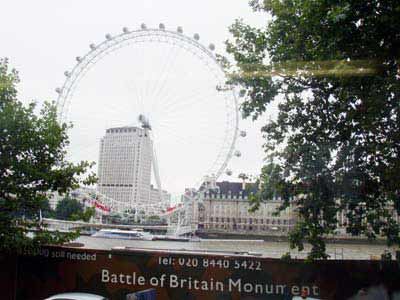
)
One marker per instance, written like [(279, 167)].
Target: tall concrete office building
[(124, 167)]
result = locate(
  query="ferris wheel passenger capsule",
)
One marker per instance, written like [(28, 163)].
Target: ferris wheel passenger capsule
[(92, 46), (238, 153), (228, 172), (125, 30), (58, 90), (243, 133), (108, 36), (161, 26), (143, 26), (179, 29), (196, 36), (212, 47), (67, 74), (78, 59)]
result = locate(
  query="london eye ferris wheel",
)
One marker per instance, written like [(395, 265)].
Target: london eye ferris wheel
[(173, 81)]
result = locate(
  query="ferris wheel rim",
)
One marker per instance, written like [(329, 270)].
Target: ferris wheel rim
[(116, 42), (111, 41)]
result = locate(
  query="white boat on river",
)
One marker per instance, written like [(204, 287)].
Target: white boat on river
[(123, 234)]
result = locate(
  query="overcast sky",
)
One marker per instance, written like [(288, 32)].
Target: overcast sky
[(42, 39)]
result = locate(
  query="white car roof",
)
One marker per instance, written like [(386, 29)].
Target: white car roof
[(76, 296)]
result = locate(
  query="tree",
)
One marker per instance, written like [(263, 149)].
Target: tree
[(46, 210), (87, 214), (32, 163), (154, 219), (69, 209), (333, 68)]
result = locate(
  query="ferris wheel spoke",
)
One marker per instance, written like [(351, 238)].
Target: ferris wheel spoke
[(195, 101), (175, 116), (106, 103), (141, 86), (170, 97), (172, 102), (187, 75), (202, 134), (158, 91), (162, 79), (201, 123), (140, 97), (154, 73), (115, 107)]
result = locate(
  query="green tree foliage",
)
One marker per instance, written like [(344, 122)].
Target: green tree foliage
[(32, 163), (87, 214), (333, 68), (69, 209), (155, 220), (112, 218), (47, 211)]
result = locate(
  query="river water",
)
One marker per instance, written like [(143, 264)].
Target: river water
[(266, 249)]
